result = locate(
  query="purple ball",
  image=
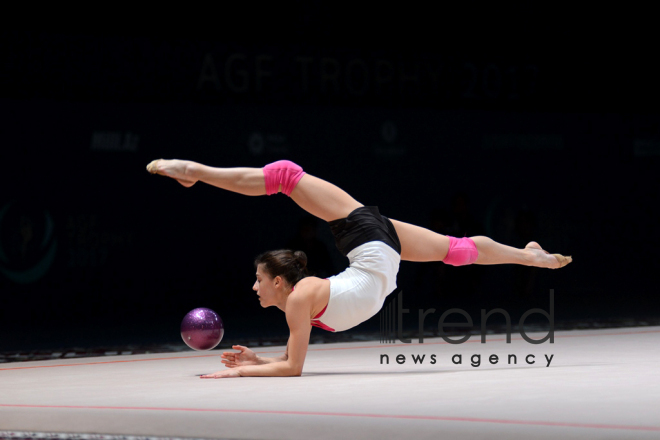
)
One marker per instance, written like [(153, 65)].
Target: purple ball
[(202, 329)]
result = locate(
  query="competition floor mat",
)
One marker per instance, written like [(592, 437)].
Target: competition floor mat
[(591, 384)]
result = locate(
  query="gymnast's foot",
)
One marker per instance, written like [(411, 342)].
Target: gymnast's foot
[(542, 258), (176, 169)]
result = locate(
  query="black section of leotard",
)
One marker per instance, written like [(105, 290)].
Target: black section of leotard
[(363, 225)]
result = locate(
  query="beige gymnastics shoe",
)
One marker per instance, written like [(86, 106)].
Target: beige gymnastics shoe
[(563, 261), (153, 166)]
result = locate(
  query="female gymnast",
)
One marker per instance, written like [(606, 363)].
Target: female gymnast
[(374, 245)]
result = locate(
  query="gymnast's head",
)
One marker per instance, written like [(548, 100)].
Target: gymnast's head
[(277, 273)]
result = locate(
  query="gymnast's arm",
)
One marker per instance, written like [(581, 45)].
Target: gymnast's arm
[(291, 363), (284, 357), (297, 316), (245, 356)]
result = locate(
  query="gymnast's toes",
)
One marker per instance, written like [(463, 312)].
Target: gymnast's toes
[(539, 257), (563, 260), (153, 166)]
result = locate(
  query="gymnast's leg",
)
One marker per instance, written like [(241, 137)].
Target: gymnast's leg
[(420, 244), (316, 196), (329, 202)]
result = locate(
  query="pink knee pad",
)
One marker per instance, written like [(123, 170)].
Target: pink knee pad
[(462, 251), (282, 172)]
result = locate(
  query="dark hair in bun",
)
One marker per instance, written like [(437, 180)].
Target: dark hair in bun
[(290, 265)]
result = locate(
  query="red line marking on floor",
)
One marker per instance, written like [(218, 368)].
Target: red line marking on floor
[(331, 414), (478, 340), (315, 349), (110, 362)]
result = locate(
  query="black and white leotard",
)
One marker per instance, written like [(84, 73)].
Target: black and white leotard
[(372, 246)]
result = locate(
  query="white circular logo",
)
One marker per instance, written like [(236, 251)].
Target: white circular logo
[(388, 131), (256, 143)]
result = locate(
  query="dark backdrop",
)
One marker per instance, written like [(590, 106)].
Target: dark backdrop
[(543, 128)]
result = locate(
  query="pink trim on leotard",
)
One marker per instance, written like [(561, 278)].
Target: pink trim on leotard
[(321, 312), (315, 320), (319, 324)]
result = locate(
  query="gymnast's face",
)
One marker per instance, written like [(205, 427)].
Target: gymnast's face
[(267, 287)]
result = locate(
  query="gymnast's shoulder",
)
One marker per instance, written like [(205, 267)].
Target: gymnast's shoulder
[(310, 284), (311, 290)]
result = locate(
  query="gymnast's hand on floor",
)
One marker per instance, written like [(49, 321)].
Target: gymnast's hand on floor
[(244, 357), (176, 169), (220, 374)]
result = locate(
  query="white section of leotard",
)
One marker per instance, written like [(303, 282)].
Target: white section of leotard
[(358, 293)]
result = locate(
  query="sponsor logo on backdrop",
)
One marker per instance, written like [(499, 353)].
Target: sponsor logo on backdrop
[(27, 242), (388, 145), (268, 143), (646, 147), (114, 141)]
